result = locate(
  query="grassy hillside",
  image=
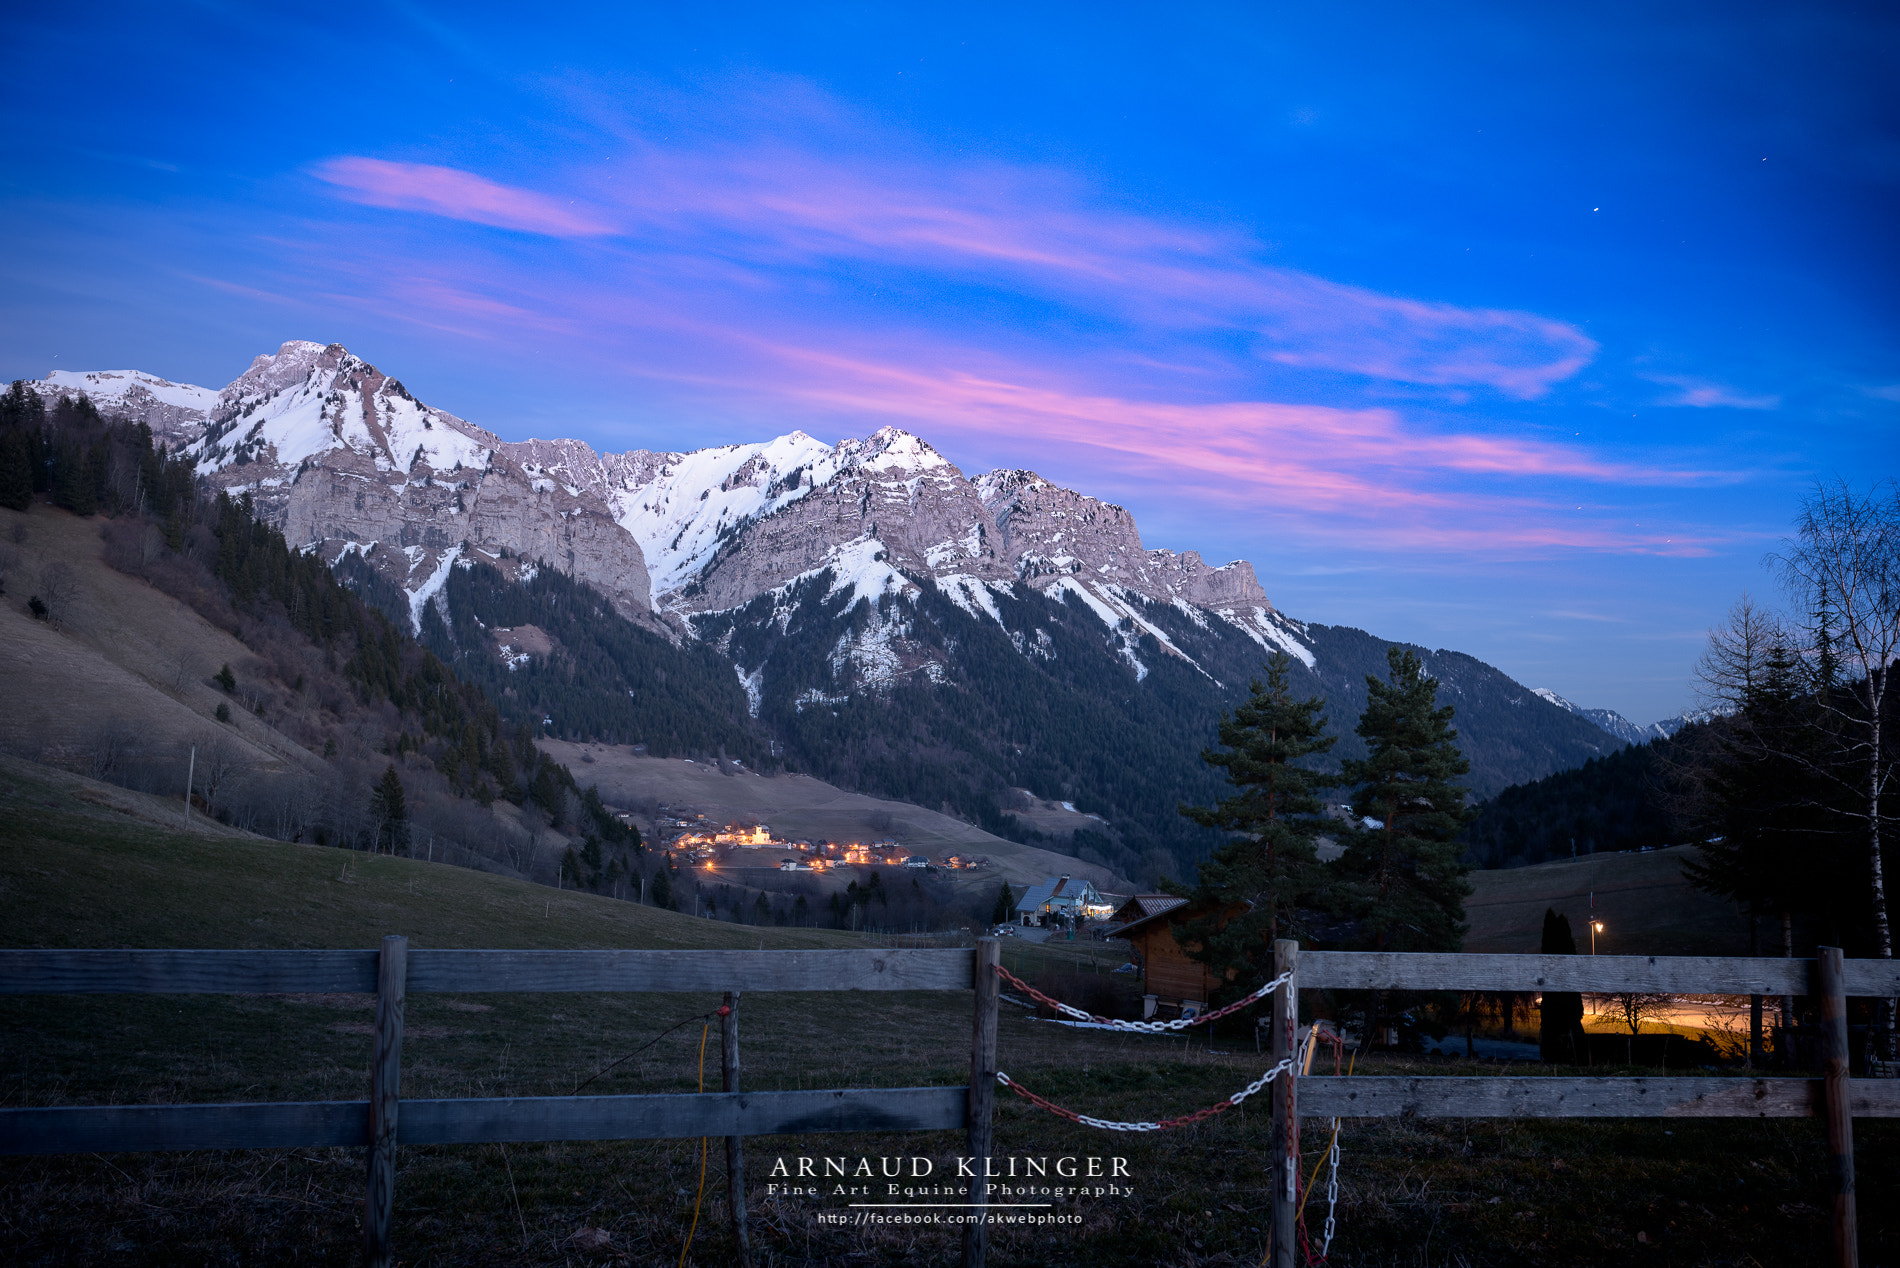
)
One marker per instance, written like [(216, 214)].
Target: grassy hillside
[(100, 873), (1646, 905), (802, 806)]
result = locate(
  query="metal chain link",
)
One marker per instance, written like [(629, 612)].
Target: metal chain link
[(1332, 1196), (1105, 1124), (1143, 1027)]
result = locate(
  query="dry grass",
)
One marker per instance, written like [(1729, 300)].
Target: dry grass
[(1477, 1193), (126, 652)]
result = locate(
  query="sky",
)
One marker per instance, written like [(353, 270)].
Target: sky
[(1518, 330)]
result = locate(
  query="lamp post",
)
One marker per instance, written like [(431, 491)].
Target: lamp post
[(1596, 927)]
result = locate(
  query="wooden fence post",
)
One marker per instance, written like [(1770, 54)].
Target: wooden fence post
[(989, 954), (385, 1093), (1830, 984), (735, 1145), (1286, 1113)]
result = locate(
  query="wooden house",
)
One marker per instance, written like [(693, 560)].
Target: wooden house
[(1172, 981), (1061, 896)]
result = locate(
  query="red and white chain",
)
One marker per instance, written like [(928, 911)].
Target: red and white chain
[(1145, 1027), (1106, 1124)]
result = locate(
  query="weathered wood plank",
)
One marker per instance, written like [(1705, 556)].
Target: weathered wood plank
[(1660, 975), (1837, 1105), (75, 1129), (295, 1124), (1285, 1097), (296, 972), (529, 1118), (385, 1102), (1871, 979), (1390, 1096), (980, 1114), (186, 972), (709, 971)]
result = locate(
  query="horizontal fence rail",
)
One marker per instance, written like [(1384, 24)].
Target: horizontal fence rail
[(1602, 974), (479, 1121), (1493, 1096), (474, 972)]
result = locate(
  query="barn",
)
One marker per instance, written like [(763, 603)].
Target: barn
[(1171, 981)]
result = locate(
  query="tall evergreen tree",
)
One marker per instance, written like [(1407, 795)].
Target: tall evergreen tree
[(1253, 888), (388, 809), (1560, 1030), (1405, 878), (16, 470), (1768, 840), (1005, 909)]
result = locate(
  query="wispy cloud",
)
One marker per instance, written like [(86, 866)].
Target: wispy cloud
[(1701, 394), (1031, 233), (445, 191)]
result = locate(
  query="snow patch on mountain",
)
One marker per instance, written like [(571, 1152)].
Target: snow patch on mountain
[(431, 585), (693, 503), (972, 594), (1269, 629)]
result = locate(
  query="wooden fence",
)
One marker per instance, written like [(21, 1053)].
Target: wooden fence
[(386, 1120), (1828, 978)]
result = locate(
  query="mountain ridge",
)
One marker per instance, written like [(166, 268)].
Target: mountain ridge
[(889, 622)]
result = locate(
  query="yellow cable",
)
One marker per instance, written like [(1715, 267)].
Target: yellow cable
[(704, 1031), (1327, 1153)]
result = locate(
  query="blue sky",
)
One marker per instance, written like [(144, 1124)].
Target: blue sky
[(1487, 326)]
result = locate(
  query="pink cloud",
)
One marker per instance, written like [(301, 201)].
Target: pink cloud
[(1366, 466), (1699, 394), (1030, 232), (1039, 229), (444, 191)]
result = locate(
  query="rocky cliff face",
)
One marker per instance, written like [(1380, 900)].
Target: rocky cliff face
[(895, 625), (343, 458)]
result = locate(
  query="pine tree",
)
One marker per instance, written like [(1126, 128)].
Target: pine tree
[(1405, 878), (1560, 1019), (387, 808), (16, 470), (1005, 909), (1760, 819), (1254, 888), (662, 890)]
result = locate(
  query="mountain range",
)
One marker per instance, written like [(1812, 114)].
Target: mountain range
[(887, 622)]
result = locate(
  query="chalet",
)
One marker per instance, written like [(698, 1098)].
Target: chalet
[(1061, 896), (1171, 980), (917, 860)]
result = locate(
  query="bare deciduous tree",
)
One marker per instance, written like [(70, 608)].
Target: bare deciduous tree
[(1735, 663), (1844, 564), (218, 760), (109, 747), (59, 591)]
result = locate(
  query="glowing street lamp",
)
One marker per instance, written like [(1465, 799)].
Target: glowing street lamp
[(1596, 927)]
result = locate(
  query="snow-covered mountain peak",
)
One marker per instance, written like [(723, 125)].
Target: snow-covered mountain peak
[(308, 399), (1610, 720), (176, 412), (891, 449)]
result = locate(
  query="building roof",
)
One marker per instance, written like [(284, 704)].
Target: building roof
[(1142, 906), (1064, 888)]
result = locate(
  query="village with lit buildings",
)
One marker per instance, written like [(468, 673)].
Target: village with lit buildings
[(697, 841)]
